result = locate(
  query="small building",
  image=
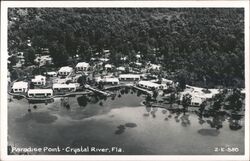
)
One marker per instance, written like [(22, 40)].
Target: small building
[(129, 77), (121, 68), (108, 67), (154, 66), (149, 85), (44, 60), (20, 87), (71, 87), (51, 74), (110, 81), (40, 93), (65, 71), (196, 99), (104, 59), (82, 66), (39, 80)]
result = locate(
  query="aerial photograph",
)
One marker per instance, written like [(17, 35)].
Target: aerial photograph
[(126, 81)]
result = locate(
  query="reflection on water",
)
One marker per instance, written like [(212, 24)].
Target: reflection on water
[(121, 120)]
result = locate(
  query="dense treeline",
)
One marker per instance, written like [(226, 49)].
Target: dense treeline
[(199, 44)]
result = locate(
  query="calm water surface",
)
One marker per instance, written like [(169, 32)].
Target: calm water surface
[(121, 122)]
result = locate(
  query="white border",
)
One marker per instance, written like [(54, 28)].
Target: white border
[(152, 4)]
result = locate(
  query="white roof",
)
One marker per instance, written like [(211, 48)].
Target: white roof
[(138, 56), (105, 51), (20, 84), (154, 66), (40, 91), (65, 69), (129, 76), (104, 59), (139, 64), (111, 80), (121, 68), (51, 73), (167, 80), (70, 85), (148, 83), (108, 66), (82, 64), (39, 77), (198, 91)]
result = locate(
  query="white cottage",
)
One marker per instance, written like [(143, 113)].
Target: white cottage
[(20, 87), (40, 93), (39, 80), (65, 71), (82, 66)]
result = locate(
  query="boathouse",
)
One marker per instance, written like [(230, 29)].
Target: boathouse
[(20, 87), (39, 80), (40, 93), (129, 77), (149, 85), (82, 66), (65, 71)]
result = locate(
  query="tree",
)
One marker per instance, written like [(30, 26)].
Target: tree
[(186, 101), (172, 99), (235, 101), (155, 93)]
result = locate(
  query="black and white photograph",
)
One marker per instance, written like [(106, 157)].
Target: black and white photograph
[(125, 80)]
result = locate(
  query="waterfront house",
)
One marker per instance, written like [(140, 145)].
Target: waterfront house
[(40, 93), (110, 81), (82, 66), (39, 80), (65, 71), (20, 87), (71, 87), (196, 99), (149, 85), (209, 93), (129, 77)]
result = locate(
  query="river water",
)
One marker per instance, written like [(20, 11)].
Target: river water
[(121, 122)]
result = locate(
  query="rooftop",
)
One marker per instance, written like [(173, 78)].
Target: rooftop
[(70, 85), (148, 83), (40, 91), (129, 76), (82, 64), (65, 69), (20, 84)]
